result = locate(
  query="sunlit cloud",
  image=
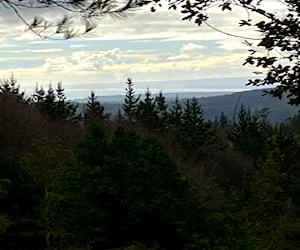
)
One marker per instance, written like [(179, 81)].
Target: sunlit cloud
[(77, 46), (188, 51), (146, 46), (83, 61)]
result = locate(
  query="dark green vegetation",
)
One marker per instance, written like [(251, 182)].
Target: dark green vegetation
[(157, 177)]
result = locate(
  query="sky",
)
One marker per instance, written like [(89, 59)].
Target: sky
[(144, 46)]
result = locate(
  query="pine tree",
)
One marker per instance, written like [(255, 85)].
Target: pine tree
[(175, 115), (53, 103), (118, 188), (65, 109), (193, 114), (94, 110), (194, 131), (9, 87), (251, 132), (222, 120), (38, 96), (130, 105), (147, 113), (161, 107)]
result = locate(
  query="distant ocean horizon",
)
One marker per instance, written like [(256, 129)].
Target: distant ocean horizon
[(201, 88), (84, 93)]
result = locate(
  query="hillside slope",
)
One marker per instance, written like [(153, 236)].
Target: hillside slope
[(214, 105)]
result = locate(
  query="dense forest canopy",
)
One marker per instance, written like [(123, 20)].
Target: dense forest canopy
[(157, 176)]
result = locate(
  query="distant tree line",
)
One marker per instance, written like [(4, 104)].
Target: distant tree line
[(157, 176)]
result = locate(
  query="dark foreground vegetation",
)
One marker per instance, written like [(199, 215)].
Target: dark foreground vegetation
[(155, 177)]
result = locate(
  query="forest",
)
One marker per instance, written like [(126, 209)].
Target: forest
[(157, 176)]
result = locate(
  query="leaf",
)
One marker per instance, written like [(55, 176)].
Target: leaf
[(225, 6), (266, 42), (244, 22)]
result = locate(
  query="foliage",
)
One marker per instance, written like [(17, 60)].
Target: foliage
[(273, 218), (94, 110), (162, 109), (251, 132), (222, 120), (74, 18), (146, 112), (195, 131), (119, 189), (131, 191), (188, 125), (54, 105), (280, 38), (20, 125), (175, 115), (130, 105), (46, 164), (19, 199), (10, 88)]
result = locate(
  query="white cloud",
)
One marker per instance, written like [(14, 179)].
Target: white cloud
[(27, 36), (77, 46), (144, 63), (231, 45), (43, 50), (10, 45), (188, 51), (83, 61)]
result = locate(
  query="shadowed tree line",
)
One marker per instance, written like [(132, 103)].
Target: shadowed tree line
[(157, 176)]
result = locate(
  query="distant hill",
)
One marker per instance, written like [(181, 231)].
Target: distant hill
[(254, 99), (214, 105)]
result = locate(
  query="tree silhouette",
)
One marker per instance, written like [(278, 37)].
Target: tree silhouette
[(250, 133), (194, 131), (130, 105), (94, 110), (162, 109), (175, 115), (53, 103), (147, 113), (10, 87)]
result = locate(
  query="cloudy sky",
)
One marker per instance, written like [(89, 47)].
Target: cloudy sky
[(145, 46)]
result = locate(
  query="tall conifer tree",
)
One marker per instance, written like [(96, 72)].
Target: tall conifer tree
[(130, 105), (94, 110), (147, 113), (53, 103)]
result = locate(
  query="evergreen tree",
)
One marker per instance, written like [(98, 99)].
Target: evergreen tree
[(65, 110), (130, 105), (94, 110), (20, 226), (162, 109), (272, 215), (250, 134), (53, 103), (222, 120), (47, 164), (38, 96), (120, 117), (147, 113), (175, 115), (193, 114), (10, 87), (194, 131), (121, 193)]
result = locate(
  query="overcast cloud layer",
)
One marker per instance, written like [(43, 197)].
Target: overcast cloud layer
[(145, 46)]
